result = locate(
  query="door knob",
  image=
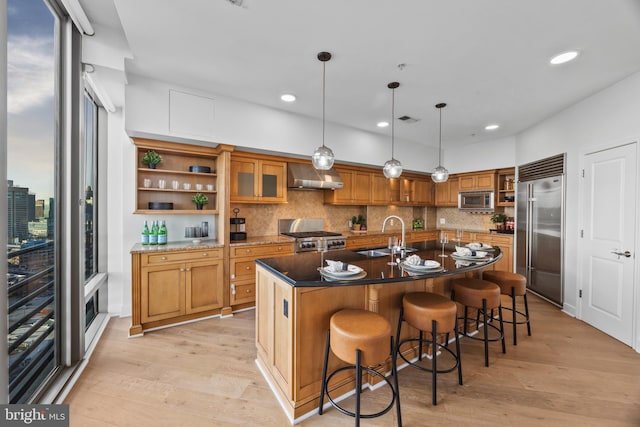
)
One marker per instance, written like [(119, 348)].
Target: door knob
[(626, 254)]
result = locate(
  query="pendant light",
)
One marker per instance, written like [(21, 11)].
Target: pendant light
[(323, 157), (440, 173), (392, 168)]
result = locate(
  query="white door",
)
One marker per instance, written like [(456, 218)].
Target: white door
[(608, 258)]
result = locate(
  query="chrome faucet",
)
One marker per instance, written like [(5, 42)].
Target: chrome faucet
[(384, 224)]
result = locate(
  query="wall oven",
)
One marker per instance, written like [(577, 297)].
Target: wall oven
[(476, 201)]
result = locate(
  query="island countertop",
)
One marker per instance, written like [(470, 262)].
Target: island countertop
[(302, 270)]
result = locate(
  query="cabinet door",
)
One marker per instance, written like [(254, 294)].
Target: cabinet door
[(485, 181), (272, 181), (162, 292), (442, 193), (244, 180), (361, 191), (422, 191), (379, 190), (204, 286), (342, 195), (467, 182), (454, 188)]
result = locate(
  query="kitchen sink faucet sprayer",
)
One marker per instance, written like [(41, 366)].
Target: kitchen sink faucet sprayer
[(402, 242)]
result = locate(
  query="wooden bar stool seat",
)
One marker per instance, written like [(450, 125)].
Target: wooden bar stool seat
[(483, 296), (363, 340), (513, 285), (433, 314)]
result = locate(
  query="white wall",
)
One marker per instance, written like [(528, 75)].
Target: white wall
[(496, 154), (605, 119), (250, 125)]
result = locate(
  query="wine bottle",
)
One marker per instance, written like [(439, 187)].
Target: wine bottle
[(153, 236), (162, 234), (144, 238)]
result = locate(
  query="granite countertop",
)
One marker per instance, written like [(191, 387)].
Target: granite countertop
[(186, 245), (302, 270)]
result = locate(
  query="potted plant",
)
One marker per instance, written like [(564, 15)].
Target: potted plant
[(200, 200), (151, 159), (357, 222), (498, 219)]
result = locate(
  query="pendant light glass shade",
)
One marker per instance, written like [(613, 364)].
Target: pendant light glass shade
[(323, 157), (440, 173), (392, 168)]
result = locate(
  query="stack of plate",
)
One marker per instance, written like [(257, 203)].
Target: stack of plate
[(352, 272), (425, 266)]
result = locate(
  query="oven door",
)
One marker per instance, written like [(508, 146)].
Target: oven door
[(476, 201)]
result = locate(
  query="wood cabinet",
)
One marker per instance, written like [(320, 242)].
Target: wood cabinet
[(380, 191), (505, 194), (242, 269), (422, 192), (174, 286), (172, 181), (355, 242), (446, 193), (503, 241), (256, 179), (356, 189), (477, 181)]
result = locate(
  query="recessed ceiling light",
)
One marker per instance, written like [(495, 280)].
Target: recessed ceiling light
[(288, 97), (564, 57), (491, 127), (382, 124)]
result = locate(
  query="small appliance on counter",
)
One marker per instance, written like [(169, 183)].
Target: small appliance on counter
[(238, 232)]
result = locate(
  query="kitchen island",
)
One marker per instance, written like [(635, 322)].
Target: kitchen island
[(294, 303)]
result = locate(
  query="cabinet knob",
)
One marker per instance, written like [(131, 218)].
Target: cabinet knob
[(247, 251), (205, 254), (164, 258), (248, 291), (248, 268), (279, 248), (188, 269), (233, 289), (182, 269)]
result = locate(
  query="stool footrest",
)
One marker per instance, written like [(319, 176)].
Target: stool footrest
[(422, 368), (468, 335)]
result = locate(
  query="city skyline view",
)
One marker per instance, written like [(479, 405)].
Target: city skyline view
[(30, 97)]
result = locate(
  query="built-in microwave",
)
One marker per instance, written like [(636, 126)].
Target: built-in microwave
[(476, 201)]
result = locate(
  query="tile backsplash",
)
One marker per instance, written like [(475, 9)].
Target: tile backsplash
[(262, 220)]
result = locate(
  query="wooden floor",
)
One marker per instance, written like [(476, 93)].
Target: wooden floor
[(204, 374)]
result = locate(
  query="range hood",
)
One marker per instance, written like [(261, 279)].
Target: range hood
[(302, 175)]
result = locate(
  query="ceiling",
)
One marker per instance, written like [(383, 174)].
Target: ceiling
[(488, 60)]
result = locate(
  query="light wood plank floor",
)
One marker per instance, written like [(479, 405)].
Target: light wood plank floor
[(204, 374)]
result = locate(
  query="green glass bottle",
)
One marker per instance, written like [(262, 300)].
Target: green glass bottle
[(144, 238), (162, 234), (153, 236)]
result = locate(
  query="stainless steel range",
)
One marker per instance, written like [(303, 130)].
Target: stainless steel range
[(310, 236)]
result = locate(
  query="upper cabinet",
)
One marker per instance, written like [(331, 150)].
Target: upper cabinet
[(257, 179), (184, 170), (447, 192), (506, 187), (366, 187), (356, 189), (477, 181)]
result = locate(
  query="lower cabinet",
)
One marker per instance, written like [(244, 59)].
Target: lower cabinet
[(174, 286), (242, 269)]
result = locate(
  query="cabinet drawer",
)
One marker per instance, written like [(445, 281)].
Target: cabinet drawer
[(180, 256), (242, 293), (262, 250), (243, 269)]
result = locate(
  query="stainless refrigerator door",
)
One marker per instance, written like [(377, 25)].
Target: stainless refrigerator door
[(545, 245), (522, 230)]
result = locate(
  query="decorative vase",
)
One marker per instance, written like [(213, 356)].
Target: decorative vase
[(199, 207), (151, 165), (356, 227)]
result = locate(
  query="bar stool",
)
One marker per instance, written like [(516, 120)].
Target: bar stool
[(513, 285), (363, 340), (483, 296), (434, 314)]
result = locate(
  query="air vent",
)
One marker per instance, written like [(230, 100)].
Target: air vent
[(544, 168), (408, 119)]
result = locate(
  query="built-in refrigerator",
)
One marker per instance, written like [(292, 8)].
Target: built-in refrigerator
[(539, 235)]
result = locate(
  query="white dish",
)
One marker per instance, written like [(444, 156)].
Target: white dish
[(196, 241), (479, 247), (469, 257), (331, 278), (350, 271), (428, 265)]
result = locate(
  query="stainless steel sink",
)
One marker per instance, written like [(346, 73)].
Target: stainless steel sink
[(381, 252)]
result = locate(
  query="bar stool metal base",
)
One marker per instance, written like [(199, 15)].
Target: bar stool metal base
[(486, 325), (395, 390)]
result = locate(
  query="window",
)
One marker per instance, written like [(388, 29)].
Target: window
[(32, 171), (90, 160)]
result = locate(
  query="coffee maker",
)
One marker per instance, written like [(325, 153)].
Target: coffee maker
[(238, 231)]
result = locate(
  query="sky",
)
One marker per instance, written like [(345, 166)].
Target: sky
[(30, 96)]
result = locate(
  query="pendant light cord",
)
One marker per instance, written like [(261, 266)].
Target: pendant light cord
[(324, 68), (393, 108), (440, 141)]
